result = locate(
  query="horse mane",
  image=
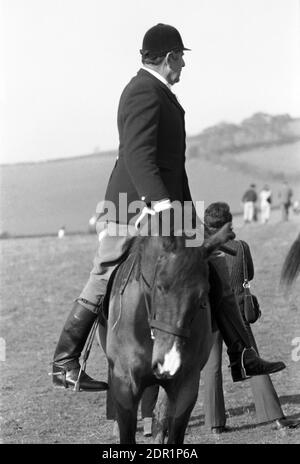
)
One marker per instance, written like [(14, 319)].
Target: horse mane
[(291, 266), (190, 260)]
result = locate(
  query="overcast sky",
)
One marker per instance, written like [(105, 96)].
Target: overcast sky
[(66, 62)]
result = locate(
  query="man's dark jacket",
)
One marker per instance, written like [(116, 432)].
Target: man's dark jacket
[(250, 195), (151, 161)]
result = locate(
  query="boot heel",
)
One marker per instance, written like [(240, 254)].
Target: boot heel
[(238, 374), (59, 378), (59, 387), (238, 371)]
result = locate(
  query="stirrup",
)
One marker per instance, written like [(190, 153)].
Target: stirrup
[(77, 383), (243, 370), (240, 364)]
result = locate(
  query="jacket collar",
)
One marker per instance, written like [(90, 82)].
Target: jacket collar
[(144, 73), (158, 76)]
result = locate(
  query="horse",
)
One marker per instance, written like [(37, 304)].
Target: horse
[(291, 265), (159, 330)]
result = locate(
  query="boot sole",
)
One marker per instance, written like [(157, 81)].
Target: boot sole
[(70, 386), (241, 379), (278, 370), (269, 372)]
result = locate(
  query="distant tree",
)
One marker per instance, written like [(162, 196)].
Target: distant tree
[(4, 235)]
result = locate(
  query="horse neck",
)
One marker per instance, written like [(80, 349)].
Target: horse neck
[(152, 248)]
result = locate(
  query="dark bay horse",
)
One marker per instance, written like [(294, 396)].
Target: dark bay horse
[(159, 330)]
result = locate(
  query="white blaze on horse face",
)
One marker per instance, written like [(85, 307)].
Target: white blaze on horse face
[(171, 363)]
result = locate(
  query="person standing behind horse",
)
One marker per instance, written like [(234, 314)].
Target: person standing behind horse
[(249, 200), (149, 171), (265, 204), (148, 403), (285, 198), (267, 404)]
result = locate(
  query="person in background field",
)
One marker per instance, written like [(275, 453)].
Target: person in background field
[(61, 233), (249, 200), (92, 224), (267, 404), (285, 198), (296, 207), (265, 197)]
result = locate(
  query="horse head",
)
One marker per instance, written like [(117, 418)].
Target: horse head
[(180, 301)]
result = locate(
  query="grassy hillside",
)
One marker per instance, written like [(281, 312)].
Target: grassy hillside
[(260, 130), (40, 198), (276, 162)]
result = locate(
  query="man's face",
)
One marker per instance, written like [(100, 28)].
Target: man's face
[(175, 64)]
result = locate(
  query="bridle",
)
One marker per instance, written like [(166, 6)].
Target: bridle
[(148, 290)]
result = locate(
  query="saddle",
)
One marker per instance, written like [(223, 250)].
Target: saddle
[(124, 268), (123, 272)]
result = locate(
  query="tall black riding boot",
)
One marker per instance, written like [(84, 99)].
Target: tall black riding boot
[(66, 365), (244, 360)]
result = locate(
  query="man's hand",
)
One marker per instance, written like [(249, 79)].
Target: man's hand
[(161, 205), (156, 207)]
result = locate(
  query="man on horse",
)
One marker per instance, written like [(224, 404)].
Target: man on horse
[(150, 170)]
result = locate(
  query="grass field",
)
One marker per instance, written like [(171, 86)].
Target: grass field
[(39, 279)]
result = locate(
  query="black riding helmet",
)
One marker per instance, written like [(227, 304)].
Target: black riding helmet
[(161, 39)]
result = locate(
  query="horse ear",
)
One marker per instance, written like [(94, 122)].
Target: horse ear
[(216, 240)]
